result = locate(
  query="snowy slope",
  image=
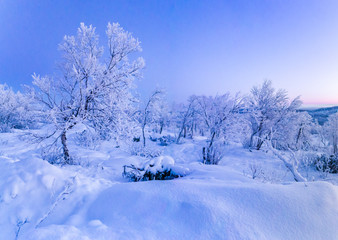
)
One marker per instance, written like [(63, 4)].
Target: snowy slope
[(42, 201)]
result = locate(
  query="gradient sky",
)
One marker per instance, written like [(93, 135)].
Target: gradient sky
[(190, 47)]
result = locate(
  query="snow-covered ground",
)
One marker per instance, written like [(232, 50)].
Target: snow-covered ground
[(93, 201)]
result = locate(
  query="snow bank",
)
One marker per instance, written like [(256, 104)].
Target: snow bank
[(42, 201), (194, 209)]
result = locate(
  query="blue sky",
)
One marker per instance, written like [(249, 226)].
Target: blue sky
[(190, 47)]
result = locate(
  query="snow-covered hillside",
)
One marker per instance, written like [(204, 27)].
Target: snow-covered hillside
[(93, 201)]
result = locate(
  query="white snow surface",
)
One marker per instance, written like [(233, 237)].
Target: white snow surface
[(92, 200)]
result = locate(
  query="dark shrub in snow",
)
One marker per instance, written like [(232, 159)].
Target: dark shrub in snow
[(166, 140), (213, 153), (160, 168), (163, 140), (153, 139), (327, 164)]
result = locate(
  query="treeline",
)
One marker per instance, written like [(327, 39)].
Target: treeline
[(93, 94)]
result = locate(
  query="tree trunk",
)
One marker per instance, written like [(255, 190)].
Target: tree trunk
[(208, 153), (67, 159), (161, 128), (143, 136), (335, 145), (259, 144), (204, 155), (251, 140), (260, 141), (291, 166), (180, 133), (298, 135)]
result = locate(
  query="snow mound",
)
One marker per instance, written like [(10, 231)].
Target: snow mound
[(190, 209), (159, 168)]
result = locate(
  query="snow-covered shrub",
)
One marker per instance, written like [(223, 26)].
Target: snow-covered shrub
[(138, 149), (162, 140), (212, 154), (255, 170), (307, 158), (15, 110), (87, 139), (153, 138), (160, 168), (52, 154), (326, 163), (166, 140)]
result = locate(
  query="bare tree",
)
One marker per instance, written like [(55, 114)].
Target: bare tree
[(151, 111), (186, 114)]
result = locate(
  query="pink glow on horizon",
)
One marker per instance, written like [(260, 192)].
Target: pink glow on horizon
[(327, 102), (319, 99)]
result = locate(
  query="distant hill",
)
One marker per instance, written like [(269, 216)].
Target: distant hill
[(321, 114)]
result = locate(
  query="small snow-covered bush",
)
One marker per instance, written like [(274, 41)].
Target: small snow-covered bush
[(163, 140), (256, 170), (160, 168), (326, 163), (138, 149), (87, 139), (213, 154), (52, 154), (15, 110), (166, 140), (153, 139)]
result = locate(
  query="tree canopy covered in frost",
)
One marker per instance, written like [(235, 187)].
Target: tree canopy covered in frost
[(91, 89), (331, 132), (15, 109), (268, 109), (218, 116)]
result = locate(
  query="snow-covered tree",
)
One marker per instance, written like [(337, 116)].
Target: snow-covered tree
[(218, 116), (267, 109), (15, 111), (290, 160), (331, 132), (152, 111), (93, 89), (183, 116), (294, 131), (162, 120)]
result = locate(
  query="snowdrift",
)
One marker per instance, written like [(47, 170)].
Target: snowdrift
[(224, 205), (42, 201)]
